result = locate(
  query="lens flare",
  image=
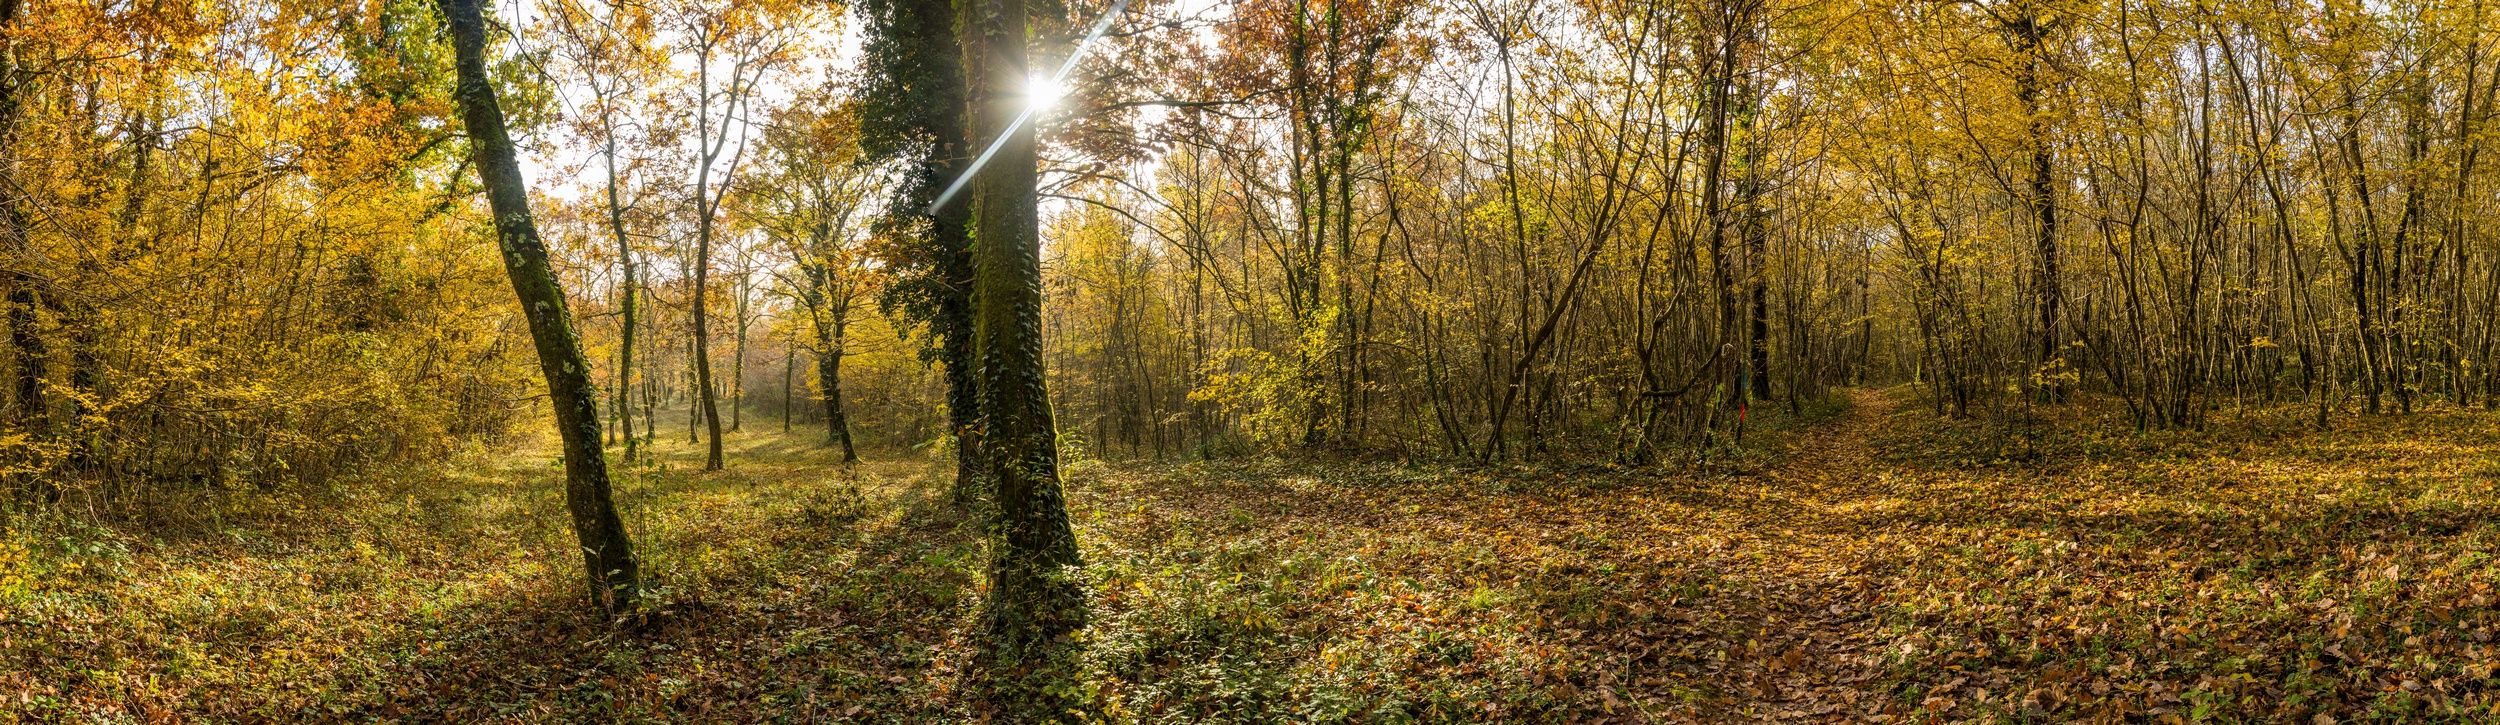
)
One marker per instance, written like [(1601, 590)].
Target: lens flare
[(1042, 91)]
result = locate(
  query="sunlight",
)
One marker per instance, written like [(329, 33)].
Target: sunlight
[(1043, 91)]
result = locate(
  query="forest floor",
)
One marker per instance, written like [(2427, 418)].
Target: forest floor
[(1871, 563)]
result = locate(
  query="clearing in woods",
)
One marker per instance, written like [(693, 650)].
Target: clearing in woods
[(1870, 565)]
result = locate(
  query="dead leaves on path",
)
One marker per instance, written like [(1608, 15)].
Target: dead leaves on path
[(2257, 572)]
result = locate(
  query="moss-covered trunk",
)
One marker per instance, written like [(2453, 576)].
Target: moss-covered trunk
[(606, 552), (1035, 600)]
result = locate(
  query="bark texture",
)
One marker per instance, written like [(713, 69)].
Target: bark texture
[(606, 552)]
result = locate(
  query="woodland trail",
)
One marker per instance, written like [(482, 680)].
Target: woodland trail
[(1816, 654), (1894, 566)]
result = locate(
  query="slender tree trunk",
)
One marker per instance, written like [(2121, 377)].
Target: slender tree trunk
[(706, 397), (650, 383), (738, 363), (1497, 440), (789, 369), (705, 205), (625, 302), (616, 406), (695, 381), (1720, 81), (2365, 257), (606, 552), (1756, 232), (32, 354)]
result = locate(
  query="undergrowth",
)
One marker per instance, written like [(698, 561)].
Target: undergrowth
[(1853, 564)]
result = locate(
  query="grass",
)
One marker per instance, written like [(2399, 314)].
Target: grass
[(1873, 564)]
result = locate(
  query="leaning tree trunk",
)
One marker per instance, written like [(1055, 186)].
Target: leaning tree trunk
[(1035, 601), (606, 552)]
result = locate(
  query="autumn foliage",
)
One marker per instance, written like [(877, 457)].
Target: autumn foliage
[(1248, 360)]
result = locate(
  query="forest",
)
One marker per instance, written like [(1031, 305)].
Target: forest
[(1900, 361)]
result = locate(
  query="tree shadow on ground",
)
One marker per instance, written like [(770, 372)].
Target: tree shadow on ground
[(864, 615)]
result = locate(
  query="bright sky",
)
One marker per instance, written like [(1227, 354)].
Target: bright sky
[(837, 51)]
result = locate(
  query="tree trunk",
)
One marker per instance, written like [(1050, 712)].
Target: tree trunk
[(1756, 232), (625, 303), (606, 552), (1717, 99), (956, 352), (738, 362), (829, 375), (694, 404), (789, 369), (705, 396), (932, 25), (2050, 287), (24, 303), (1035, 601), (22, 296), (704, 206), (650, 385)]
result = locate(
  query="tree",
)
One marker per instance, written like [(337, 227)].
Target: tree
[(752, 40), (613, 55), (812, 188), (741, 292), (832, 288), (1035, 600), (912, 97), (29, 293), (1327, 70), (2029, 30), (607, 553)]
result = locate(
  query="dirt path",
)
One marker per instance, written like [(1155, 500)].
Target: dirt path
[(1818, 652)]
